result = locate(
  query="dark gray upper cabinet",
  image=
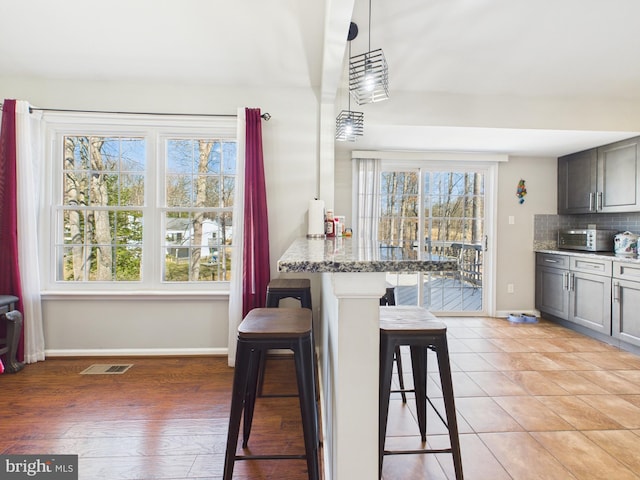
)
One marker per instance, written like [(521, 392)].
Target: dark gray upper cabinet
[(603, 179), (577, 181)]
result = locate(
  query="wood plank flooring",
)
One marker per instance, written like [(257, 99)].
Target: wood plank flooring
[(534, 402)]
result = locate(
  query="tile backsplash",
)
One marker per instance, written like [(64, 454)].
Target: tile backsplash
[(545, 227)]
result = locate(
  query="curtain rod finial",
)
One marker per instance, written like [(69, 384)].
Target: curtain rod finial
[(266, 116)]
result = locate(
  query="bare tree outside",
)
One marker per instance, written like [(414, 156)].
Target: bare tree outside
[(201, 176), (102, 233)]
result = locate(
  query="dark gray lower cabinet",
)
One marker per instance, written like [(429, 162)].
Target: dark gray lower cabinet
[(576, 289), (626, 302)]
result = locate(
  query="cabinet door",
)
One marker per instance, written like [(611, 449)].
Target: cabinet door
[(577, 182), (552, 296), (590, 301), (618, 186), (625, 322)]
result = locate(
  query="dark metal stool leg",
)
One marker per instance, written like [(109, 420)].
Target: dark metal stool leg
[(419, 369), (444, 366), (306, 386), (386, 369), (398, 358), (250, 395), (237, 404)]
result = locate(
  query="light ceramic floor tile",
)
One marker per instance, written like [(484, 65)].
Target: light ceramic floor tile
[(471, 362), (520, 361), (531, 414), (582, 457), (612, 360), (611, 383), (481, 345), (478, 463), (629, 375), (536, 383), (509, 345), (515, 451), (622, 444), (496, 383), (570, 361), (579, 414), (483, 414), (625, 413), (573, 383)]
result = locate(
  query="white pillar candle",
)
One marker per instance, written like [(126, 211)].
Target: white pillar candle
[(316, 218)]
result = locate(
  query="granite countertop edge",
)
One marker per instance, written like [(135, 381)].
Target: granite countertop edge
[(343, 256)]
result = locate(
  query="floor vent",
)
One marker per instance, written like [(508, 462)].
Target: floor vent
[(106, 369)]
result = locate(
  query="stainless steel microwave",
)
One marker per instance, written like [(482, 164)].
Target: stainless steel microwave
[(589, 240)]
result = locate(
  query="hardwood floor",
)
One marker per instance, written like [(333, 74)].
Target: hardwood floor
[(534, 402)]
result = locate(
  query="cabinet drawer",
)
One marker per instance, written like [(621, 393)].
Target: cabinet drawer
[(552, 260), (591, 265), (627, 271)]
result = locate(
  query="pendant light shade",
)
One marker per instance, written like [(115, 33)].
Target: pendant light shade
[(369, 77), (349, 125), (369, 74)]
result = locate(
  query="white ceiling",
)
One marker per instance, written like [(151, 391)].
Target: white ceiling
[(541, 48)]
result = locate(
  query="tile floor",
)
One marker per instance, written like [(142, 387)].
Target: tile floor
[(534, 401)]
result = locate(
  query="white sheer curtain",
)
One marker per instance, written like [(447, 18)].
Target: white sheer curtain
[(367, 199), (235, 289), (30, 155)]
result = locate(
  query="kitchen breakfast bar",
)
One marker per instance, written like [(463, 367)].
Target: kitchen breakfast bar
[(352, 276)]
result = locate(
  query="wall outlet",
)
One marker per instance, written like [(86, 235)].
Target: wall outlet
[(510, 288), (512, 220)]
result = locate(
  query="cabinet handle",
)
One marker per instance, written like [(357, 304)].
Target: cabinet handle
[(550, 260), (572, 282), (616, 292), (565, 281), (599, 201), (591, 195)]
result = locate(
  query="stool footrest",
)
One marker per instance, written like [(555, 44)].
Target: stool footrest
[(270, 457), (284, 395), (415, 452)]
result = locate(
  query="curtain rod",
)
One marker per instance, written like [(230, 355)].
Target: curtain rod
[(265, 116)]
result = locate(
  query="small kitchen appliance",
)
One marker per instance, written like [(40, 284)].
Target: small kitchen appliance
[(625, 244), (588, 240)]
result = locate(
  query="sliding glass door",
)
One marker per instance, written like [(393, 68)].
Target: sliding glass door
[(441, 212)]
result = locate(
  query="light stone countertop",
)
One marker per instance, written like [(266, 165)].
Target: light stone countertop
[(341, 254), (580, 253)]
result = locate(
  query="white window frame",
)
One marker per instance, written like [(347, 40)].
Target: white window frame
[(156, 129)]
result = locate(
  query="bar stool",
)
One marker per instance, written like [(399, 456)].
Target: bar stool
[(279, 289), (417, 328), (263, 329)]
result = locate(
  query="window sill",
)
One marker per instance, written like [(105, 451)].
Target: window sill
[(135, 295)]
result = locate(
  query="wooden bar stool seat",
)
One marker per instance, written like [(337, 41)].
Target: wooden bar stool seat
[(263, 329), (280, 288), (419, 329)]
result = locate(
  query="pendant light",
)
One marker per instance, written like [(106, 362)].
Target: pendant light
[(369, 74), (350, 124)]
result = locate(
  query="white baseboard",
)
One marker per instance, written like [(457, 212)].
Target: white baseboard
[(134, 352)]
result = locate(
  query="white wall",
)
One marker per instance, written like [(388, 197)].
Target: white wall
[(177, 323), (515, 260)]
